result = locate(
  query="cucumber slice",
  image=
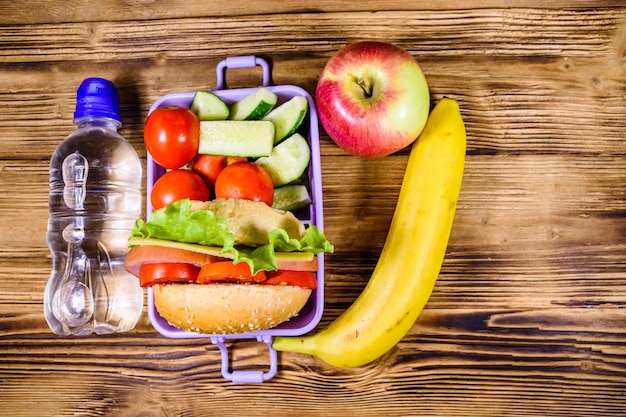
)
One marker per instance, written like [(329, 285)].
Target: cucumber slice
[(288, 160), (291, 197), (208, 106), (288, 117), (251, 138), (254, 106)]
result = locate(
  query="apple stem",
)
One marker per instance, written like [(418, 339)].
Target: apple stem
[(365, 86)]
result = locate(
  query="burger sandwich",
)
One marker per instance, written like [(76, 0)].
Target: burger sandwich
[(225, 266)]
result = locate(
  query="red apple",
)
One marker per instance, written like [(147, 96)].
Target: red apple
[(372, 99)]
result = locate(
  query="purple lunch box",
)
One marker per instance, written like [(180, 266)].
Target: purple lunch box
[(311, 314)]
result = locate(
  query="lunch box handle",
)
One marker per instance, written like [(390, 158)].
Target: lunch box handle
[(246, 377), (247, 61)]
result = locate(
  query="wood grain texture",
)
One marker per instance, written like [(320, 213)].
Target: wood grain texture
[(58, 11), (528, 317)]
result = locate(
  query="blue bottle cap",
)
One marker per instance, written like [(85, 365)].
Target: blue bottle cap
[(97, 97)]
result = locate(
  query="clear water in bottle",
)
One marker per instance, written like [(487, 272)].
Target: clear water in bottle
[(94, 200)]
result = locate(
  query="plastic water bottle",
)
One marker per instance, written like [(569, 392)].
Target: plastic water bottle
[(94, 200)]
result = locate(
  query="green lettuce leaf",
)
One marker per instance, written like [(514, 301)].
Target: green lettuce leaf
[(176, 222)]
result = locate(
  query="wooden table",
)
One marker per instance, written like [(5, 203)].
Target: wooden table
[(528, 317)]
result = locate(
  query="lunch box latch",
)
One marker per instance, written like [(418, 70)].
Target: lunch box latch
[(247, 61), (246, 377)]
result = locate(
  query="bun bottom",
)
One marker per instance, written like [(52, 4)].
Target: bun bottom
[(228, 308)]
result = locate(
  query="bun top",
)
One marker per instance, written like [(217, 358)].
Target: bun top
[(251, 222)]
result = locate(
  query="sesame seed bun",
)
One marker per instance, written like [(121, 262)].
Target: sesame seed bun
[(228, 308)]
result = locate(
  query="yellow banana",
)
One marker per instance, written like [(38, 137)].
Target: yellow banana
[(412, 256)]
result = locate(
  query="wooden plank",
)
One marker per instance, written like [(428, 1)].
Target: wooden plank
[(55, 11)]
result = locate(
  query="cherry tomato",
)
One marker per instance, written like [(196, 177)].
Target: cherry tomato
[(172, 136), (210, 166), (176, 185), (157, 273), (245, 180)]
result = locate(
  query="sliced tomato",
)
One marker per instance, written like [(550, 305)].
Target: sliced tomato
[(304, 279), (226, 271), (150, 274)]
